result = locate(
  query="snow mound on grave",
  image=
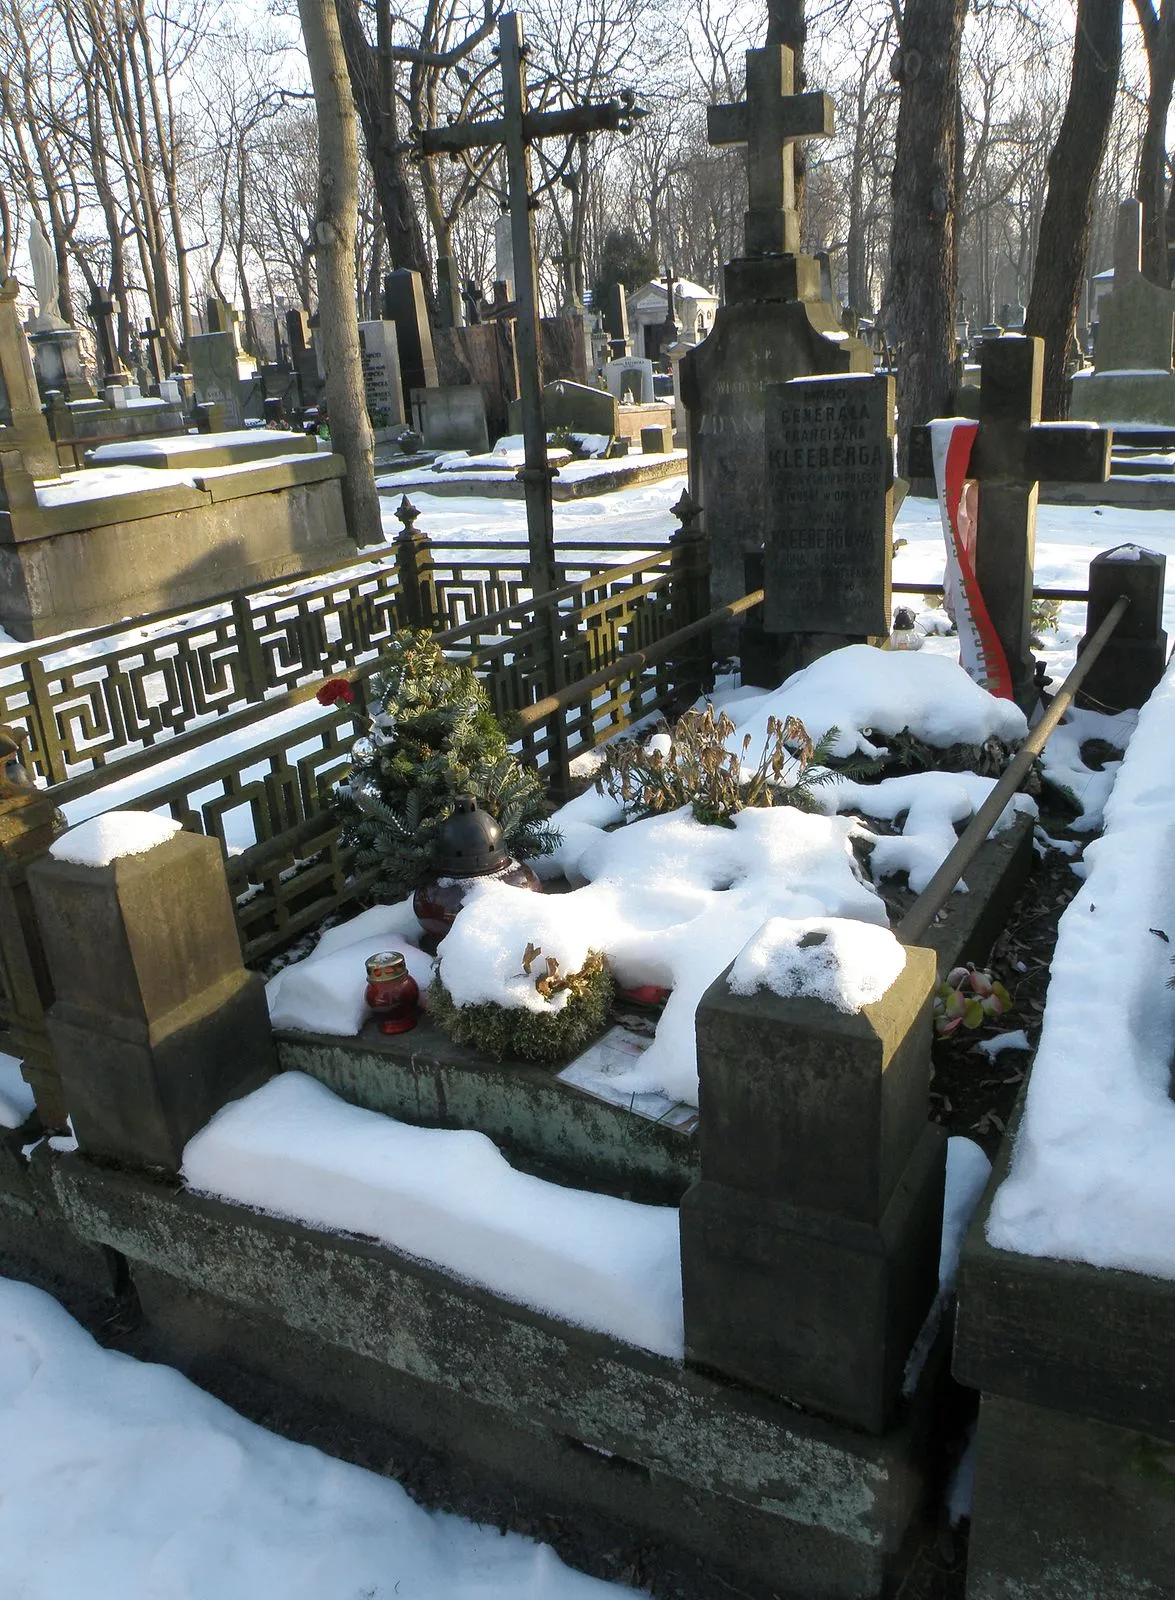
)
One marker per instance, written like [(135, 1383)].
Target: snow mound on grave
[(1093, 1174), (324, 992), (846, 963), (108, 838), (119, 1480), (669, 902), (860, 690), (450, 1197)]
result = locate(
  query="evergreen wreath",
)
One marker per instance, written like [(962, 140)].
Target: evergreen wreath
[(433, 737)]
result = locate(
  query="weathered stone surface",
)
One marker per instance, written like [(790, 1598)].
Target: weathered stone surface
[(215, 374), (168, 547), (829, 507), (36, 1242), (812, 1106), (381, 373), (211, 451), (806, 1304), (545, 1125), (773, 327), (156, 1023), (1133, 659), (404, 304), (657, 441), (810, 1510), (452, 418), (1068, 1509)]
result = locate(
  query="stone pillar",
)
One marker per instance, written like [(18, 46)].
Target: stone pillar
[(156, 1023), (404, 305), (1134, 657), (29, 823), (689, 580), (810, 1243)]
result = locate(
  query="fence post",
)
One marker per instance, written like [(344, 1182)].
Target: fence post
[(1135, 656), (689, 589), (414, 570), (29, 823)]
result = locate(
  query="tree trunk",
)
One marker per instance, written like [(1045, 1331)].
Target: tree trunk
[(1073, 169), (334, 249), (923, 269), (1152, 162), (389, 168)]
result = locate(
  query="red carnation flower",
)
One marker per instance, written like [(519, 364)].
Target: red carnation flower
[(334, 690)]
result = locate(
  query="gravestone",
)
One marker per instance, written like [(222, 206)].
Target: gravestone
[(381, 373), (577, 407), (1133, 377), (773, 326), (628, 368), (616, 321), (102, 311), (829, 528), (404, 305), (452, 418), (304, 358), (213, 358)]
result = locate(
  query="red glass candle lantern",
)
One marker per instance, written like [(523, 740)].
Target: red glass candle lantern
[(391, 992)]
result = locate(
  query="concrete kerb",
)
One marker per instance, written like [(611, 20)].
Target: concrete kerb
[(820, 1509)]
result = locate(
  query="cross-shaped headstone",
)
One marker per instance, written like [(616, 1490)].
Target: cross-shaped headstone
[(670, 323), (102, 310), (152, 338), (1013, 452), (515, 131), (768, 122)]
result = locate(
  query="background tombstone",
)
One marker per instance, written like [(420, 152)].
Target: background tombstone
[(452, 418), (616, 321), (304, 358), (56, 351), (773, 326), (102, 310), (381, 373), (404, 305), (829, 529), (213, 358), (615, 373)]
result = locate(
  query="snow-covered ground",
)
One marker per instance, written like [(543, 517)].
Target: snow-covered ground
[(1093, 1176), (120, 1480)]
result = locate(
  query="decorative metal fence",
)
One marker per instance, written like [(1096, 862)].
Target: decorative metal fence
[(226, 698)]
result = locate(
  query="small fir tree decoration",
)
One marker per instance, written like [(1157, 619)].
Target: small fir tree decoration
[(433, 737)]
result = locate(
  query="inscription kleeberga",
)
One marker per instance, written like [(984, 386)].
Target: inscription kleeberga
[(829, 457)]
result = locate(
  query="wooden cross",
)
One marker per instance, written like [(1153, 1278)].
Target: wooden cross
[(768, 122), (516, 130), (1013, 452)]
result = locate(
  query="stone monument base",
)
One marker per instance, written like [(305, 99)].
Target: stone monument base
[(87, 562), (1115, 397)]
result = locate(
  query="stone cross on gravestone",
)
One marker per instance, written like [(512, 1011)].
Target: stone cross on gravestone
[(152, 338), (1012, 453), (768, 122), (102, 310)]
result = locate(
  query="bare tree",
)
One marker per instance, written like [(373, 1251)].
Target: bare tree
[(334, 250), (1073, 170)]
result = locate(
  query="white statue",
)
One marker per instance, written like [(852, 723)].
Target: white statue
[(44, 262)]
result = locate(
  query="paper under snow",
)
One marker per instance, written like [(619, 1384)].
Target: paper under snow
[(105, 839), (1093, 1173), (120, 1480), (848, 964), (449, 1197)]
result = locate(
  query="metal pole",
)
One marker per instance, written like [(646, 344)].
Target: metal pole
[(936, 893), (535, 474)]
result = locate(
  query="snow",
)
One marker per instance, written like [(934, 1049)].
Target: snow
[(99, 483), (449, 1197), (16, 1098), (846, 963), (324, 992), (1093, 1172), (669, 901), (1002, 1041), (1063, 767), (182, 444), (860, 690), (120, 1479), (105, 839)]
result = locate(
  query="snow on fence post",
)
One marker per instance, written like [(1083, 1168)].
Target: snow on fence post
[(1134, 657), (156, 1022), (810, 1241), (414, 570)]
